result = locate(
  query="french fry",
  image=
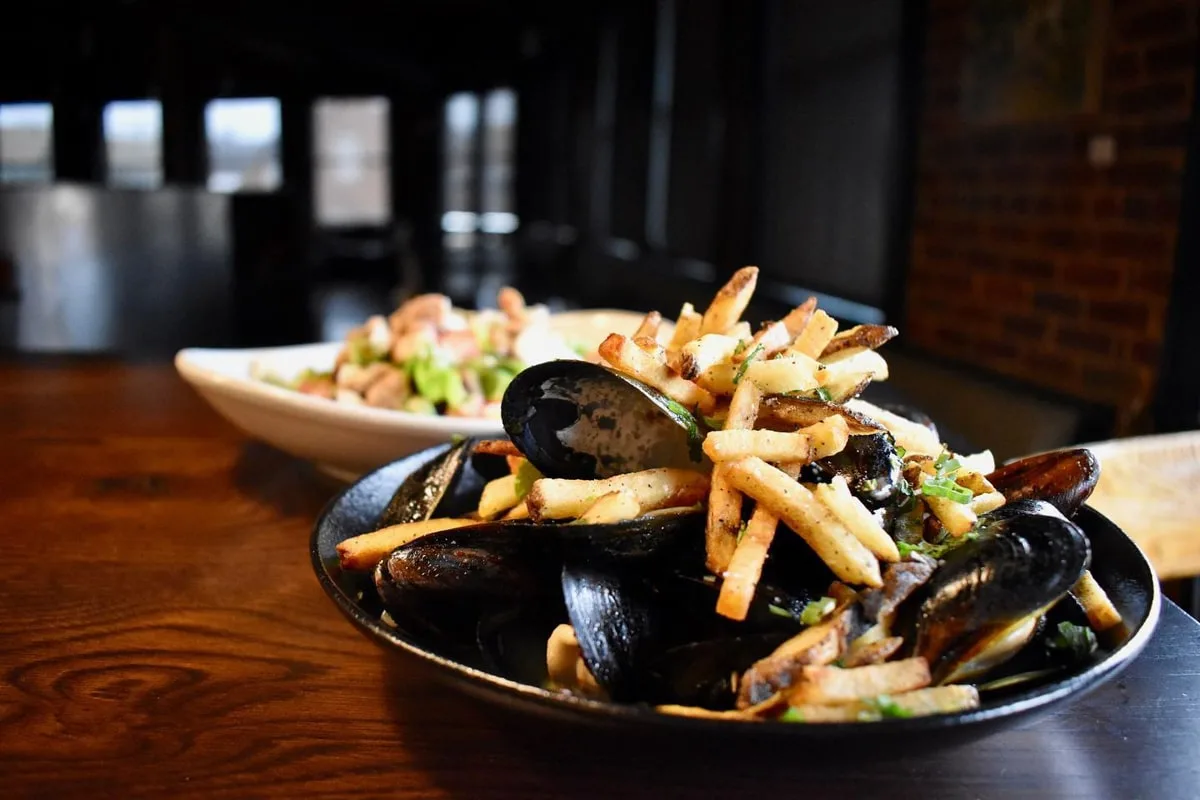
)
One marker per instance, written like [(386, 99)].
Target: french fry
[(869, 337), (627, 357), (743, 407), (497, 447), (989, 501), (781, 375), (664, 487), (846, 556), (706, 351), (858, 520), (957, 518), (740, 331), (519, 511), (827, 437), (771, 338), (817, 334), (649, 327), (917, 703), (365, 551), (875, 652), (838, 685), (799, 316), (982, 462), (498, 496), (913, 437), (613, 507), (848, 377), (730, 301), (774, 446), (514, 463), (722, 523), (719, 379), (687, 327), (1101, 612), (745, 567), (818, 644), (794, 411)]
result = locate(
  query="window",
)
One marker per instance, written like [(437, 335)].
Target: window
[(350, 139), (26, 143), (243, 144), (133, 143), (458, 178), (480, 202)]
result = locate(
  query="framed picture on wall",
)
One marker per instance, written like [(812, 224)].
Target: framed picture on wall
[(1027, 60)]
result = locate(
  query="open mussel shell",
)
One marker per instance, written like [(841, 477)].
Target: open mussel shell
[(1063, 478), (869, 464), (446, 486), (980, 601), (575, 419)]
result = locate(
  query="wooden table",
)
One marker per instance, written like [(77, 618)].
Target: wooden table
[(163, 635)]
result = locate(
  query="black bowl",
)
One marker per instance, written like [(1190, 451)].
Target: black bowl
[(1118, 565)]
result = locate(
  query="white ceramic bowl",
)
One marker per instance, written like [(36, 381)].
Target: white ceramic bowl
[(343, 440)]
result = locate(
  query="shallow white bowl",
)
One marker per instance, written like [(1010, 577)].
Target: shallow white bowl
[(343, 440)]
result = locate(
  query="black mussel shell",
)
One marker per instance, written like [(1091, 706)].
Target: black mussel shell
[(1017, 508), (446, 486), (1063, 478), (705, 674), (1026, 563), (870, 466), (575, 419)]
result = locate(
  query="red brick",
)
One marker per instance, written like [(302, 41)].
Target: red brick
[(1033, 268), (1112, 382), (1057, 303), (1046, 364), (1030, 328), (1161, 134), (1146, 352), (1060, 238), (1153, 280), (1135, 244), (1156, 174), (1083, 275), (1123, 67), (1127, 314), (1107, 206), (995, 349), (1074, 338)]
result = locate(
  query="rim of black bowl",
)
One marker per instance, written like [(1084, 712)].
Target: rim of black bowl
[(1037, 698)]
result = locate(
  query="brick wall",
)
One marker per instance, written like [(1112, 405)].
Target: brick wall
[(1028, 260)]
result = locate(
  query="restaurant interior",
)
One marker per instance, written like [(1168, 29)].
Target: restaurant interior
[(228, 175)]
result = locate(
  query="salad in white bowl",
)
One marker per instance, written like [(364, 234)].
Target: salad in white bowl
[(428, 357)]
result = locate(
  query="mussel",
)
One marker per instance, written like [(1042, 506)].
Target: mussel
[(1063, 478), (985, 601), (446, 486), (575, 419), (870, 465)]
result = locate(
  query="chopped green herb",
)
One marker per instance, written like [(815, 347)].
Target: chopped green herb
[(741, 345), (709, 579), (737, 378), (526, 474), (901, 452), (935, 551), (888, 708), (817, 610), (741, 532), (944, 486), (779, 611), (714, 423), (695, 437), (823, 394), (1076, 641), (457, 438), (792, 715)]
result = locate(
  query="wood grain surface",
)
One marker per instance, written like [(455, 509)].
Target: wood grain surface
[(162, 634)]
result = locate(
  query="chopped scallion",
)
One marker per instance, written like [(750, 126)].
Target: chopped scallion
[(737, 378), (817, 610), (792, 715), (946, 487)]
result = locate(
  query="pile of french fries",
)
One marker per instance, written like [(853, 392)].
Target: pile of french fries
[(771, 401)]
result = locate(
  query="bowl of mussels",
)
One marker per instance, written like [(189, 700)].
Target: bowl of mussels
[(714, 530)]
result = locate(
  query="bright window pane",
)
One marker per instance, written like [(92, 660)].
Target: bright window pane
[(26, 143), (499, 139), (133, 143), (243, 144), (351, 151)]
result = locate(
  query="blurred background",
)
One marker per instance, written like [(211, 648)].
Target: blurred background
[(1007, 182)]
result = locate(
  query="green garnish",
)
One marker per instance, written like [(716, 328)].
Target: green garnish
[(817, 610), (1076, 641), (494, 381), (793, 714), (888, 708), (456, 438), (695, 437), (714, 423), (944, 486), (934, 551), (779, 611), (900, 452), (526, 474), (823, 394), (737, 350), (361, 353), (820, 393), (436, 381), (737, 377), (741, 532)]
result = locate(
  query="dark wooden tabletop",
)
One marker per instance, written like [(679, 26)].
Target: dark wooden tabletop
[(162, 634)]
